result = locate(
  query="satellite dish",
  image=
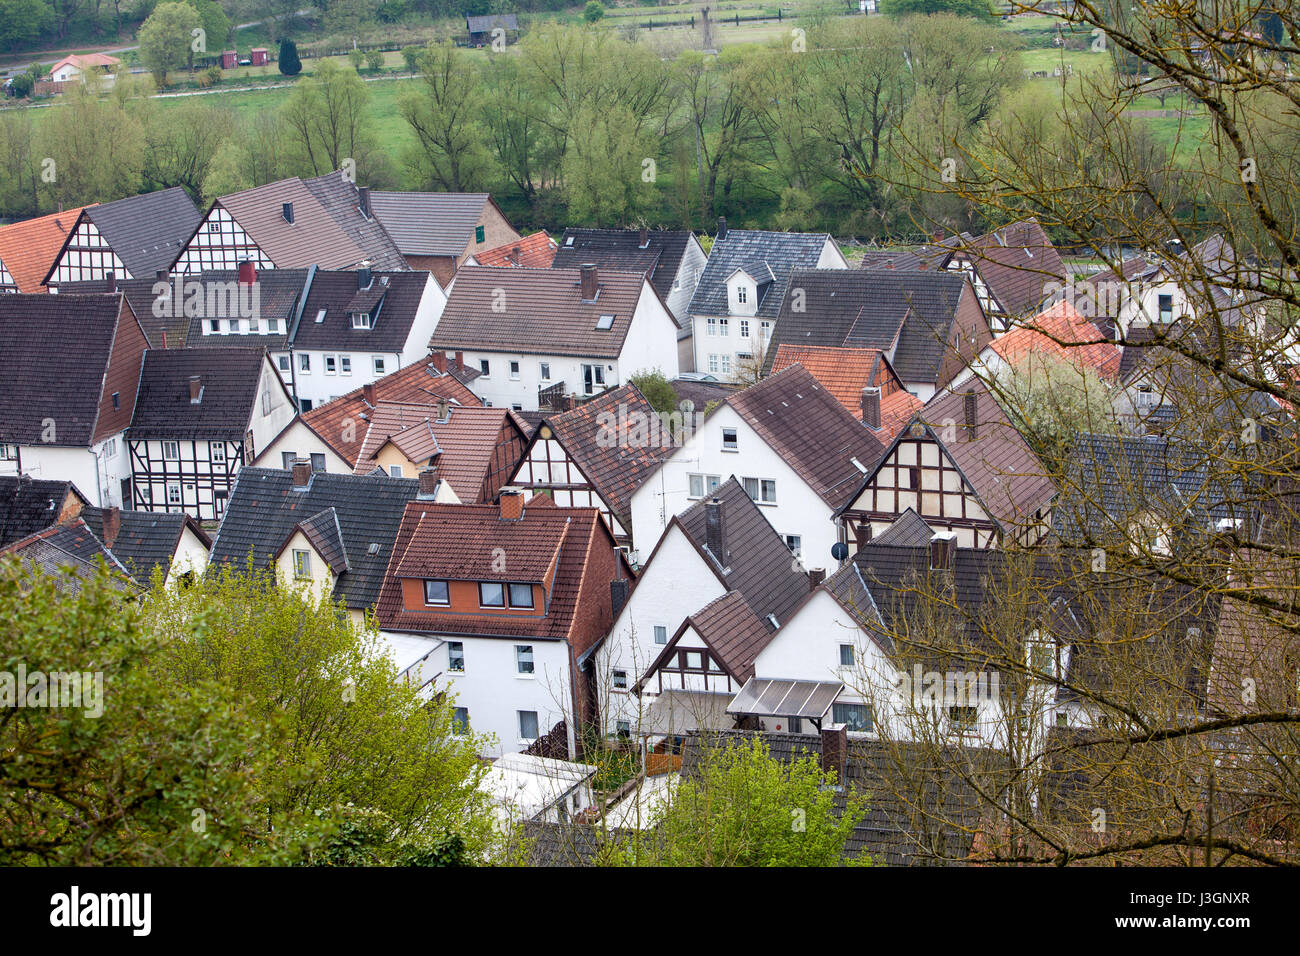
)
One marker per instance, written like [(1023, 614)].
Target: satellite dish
[(686, 405), (839, 551)]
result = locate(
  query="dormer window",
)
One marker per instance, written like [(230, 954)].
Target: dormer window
[(436, 593), (361, 320), (521, 595), (742, 294), (491, 594)]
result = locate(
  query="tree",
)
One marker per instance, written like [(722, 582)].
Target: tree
[(443, 113), (375, 60), (658, 391), (182, 142), (165, 38), (215, 25), (22, 22), (327, 120), (22, 85), (979, 9), (593, 11), (93, 148), (289, 63)]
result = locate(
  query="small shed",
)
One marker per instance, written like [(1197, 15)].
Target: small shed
[(260, 56), (229, 59), (480, 28)]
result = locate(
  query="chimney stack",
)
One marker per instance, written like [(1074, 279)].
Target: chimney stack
[(863, 534), (715, 536), (943, 550), (196, 389), (110, 281), (161, 275), (112, 525), (835, 751), (871, 407), (363, 199), (514, 255), (722, 227), (440, 362), (364, 278), (645, 238), (428, 483), (444, 410), (368, 393), (940, 236), (301, 474), (970, 403), (618, 591), (512, 503), (589, 281), (286, 210), (247, 272), (815, 577)]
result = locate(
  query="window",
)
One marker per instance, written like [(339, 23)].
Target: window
[(217, 451), (377, 363), (286, 459), (361, 320), (485, 367), (524, 659), (460, 721), (744, 328), (855, 717), (713, 363), (331, 365), (517, 406), (846, 655), (110, 448), (527, 725), (1062, 718), (623, 728), (394, 471), (491, 594), (435, 592), (693, 660), (273, 325), (318, 461), (1146, 396), (304, 363), (173, 492), (729, 439), (117, 401), (456, 657), (725, 361), (283, 362), (661, 634), (963, 718), (711, 326), (1166, 306), (171, 451), (514, 370), (722, 326), (593, 378), (765, 329), (302, 565), (521, 595), (794, 543), (479, 236), (605, 323), (702, 485), (544, 370), (761, 490), (620, 680), (8, 452), (742, 294), (345, 364)]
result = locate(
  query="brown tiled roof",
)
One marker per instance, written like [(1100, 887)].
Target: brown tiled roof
[(418, 383), (1017, 262), (531, 252), (28, 249), (228, 377), (733, 631), (845, 372), (816, 436), (1061, 332), (615, 461), (543, 312)]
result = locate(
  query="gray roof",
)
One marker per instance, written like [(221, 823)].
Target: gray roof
[(264, 509), (342, 201), (29, 505), (393, 299), (508, 21), (909, 530), (763, 255), (620, 249), (145, 539), (146, 232), (228, 378), (429, 224)]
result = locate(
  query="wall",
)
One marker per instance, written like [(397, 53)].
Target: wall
[(303, 442), (322, 578)]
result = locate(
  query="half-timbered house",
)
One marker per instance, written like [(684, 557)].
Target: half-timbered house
[(441, 231), (29, 248), (963, 468), (200, 415)]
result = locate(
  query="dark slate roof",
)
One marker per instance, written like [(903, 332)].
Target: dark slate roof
[(925, 815), (54, 350), (342, 200), (29, 505), (70, 553), (323, 531), (812, 432), (264, 508), (1016, 262), (909, 530), (571, 844), (429, 224), (758, 564), (762, 254), (279, 292), (621, 249), (874, 308), (147, 232), (483, 24), (891, 259), (701, 393), (145, 539), (544, 312), (392, 300), (229, 378)]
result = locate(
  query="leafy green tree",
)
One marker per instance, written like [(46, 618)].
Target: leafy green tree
[(593, 11), (165, 39), (289, 63), (357, 58), (656, 389), (443, 111), (22, 85), (182, 140), (749, 809), (979, 9), (327, 119), (375, 61), (411, 57), (215, 24), (23, 22), (91, 149)]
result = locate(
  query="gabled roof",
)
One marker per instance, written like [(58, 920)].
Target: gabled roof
[(264, 508), (845, 372), (147, 232), (29, 249), (541, 312), (909, 530), (69, 553), (758, 563), (342, 200), (730, 629), (621, 249), (341, 424), (762, 255), (228, 377), (483, 24), (29, 505), (615, 461), (1060, 332), (392, 300), (1016, 262), (892, 259), (874, 308), (322, 531), (145, 539), (429, 224), (536, 251), (55, 351), (86, 61), (812, 432)]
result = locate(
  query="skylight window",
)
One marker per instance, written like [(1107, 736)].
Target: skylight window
[(605, 322), (320, 316)]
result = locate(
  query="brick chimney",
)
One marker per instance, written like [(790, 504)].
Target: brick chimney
[(715, 534), (645, 238), (368, 393), (440, 362), (112, 525), (722, 227), (514, 255), (940, 236), (196, 389), (512, 503), (863, 534), (815, 577), (871, 407), (835, 751), (247, 272), (970, 404), (301, 474), (943, 550), (590, 281), (460, 360), (429, 483), (110, 281), (364, 278)]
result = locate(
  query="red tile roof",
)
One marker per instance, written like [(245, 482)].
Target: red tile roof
[(1060, 331), (28, 249), (845, 372), (531, 252)]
